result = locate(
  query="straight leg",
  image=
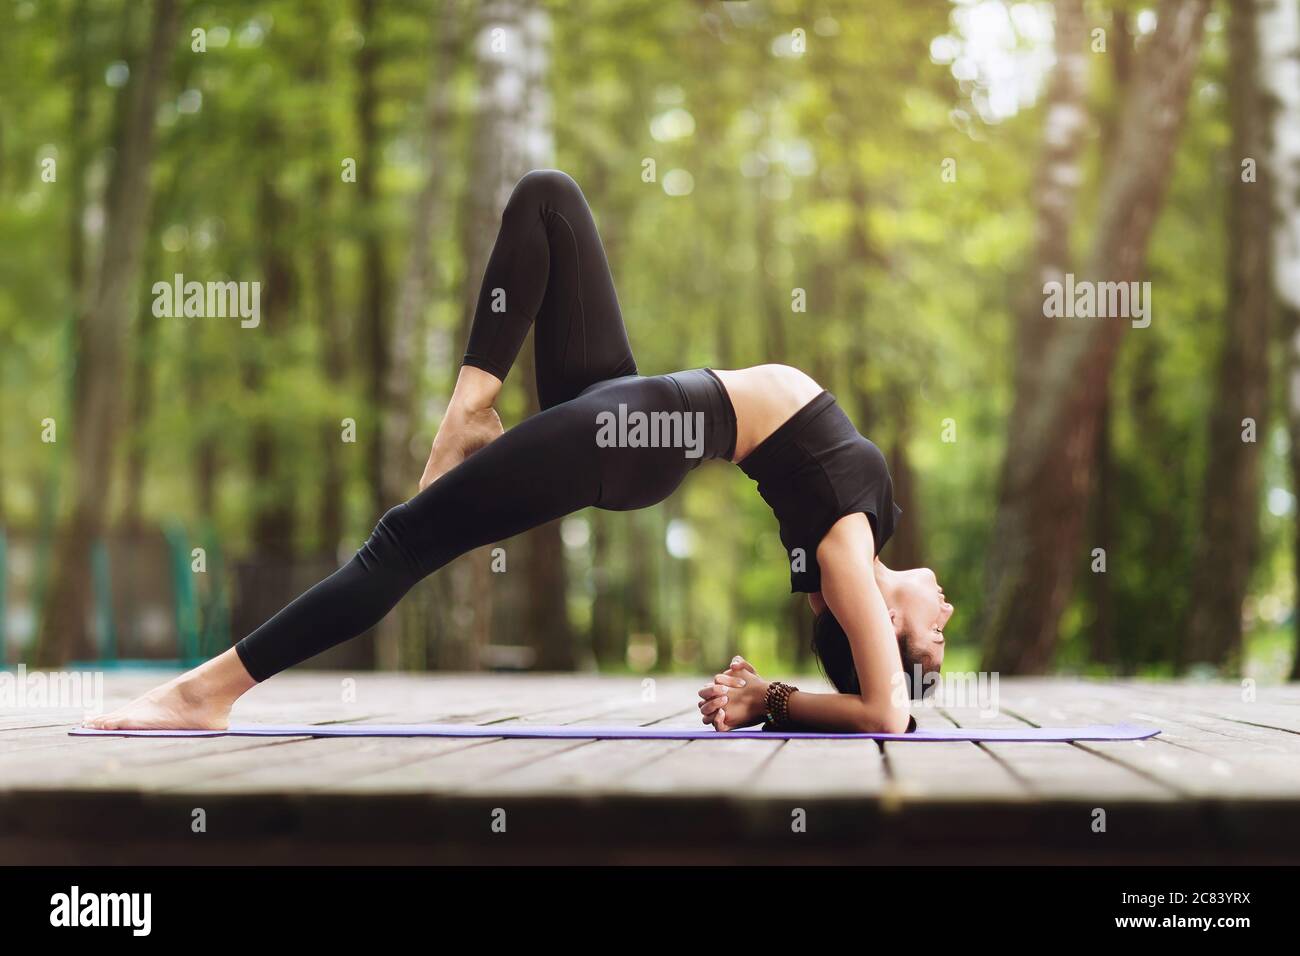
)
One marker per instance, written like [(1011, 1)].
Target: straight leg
[(544, 468)]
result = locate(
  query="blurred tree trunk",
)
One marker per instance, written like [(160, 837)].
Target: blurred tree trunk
[(1063, 367), (143, 360), (1289, 321), (267, 582), (402, 636), (1229, 533), (273, 511), (1162, 539), (205, 459), (334, 361), (74, 168), (664, 630), (608, 637), (904, 548), (401, 467), (329, 315), (512, 134), (373, 313), (1056, 188), (862, 254), (1279, 49), (101, 333), (642, 581), (1101, 631)]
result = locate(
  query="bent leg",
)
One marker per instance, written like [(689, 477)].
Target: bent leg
[(548, 269), (542, 469)]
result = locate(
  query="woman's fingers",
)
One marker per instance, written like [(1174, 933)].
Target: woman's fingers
[(729, 680), (720, 721), (713, 704), (738, 663), (712, 690)]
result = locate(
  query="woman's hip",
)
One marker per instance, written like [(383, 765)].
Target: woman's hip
[(649, 433)]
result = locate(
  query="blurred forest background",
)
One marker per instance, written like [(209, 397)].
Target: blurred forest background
[(1095, 497)]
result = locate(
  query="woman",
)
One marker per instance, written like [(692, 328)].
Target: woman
[(610, 438)]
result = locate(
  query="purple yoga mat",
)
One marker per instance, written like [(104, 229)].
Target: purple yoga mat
[(1011, 734)]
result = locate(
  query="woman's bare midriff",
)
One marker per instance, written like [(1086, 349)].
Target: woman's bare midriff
[(764, 397)]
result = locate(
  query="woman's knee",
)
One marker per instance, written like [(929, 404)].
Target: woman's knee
[(545, 186), (391, 544)]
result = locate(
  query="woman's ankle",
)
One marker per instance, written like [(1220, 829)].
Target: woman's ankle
[(223, 680)]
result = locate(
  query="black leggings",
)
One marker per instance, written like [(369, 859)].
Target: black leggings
[(548, 269)]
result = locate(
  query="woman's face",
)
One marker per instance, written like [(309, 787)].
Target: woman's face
[(922, 612)]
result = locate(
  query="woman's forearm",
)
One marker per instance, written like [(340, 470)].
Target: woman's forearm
[(846, 713), (852, 594)]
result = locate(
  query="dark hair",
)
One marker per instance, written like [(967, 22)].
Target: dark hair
[(831, 645)]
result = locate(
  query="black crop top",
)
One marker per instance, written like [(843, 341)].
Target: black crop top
[(814, 470)]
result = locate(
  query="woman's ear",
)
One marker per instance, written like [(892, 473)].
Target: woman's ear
[(896, 619)]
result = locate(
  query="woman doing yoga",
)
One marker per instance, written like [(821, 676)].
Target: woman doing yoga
[(610, 438)]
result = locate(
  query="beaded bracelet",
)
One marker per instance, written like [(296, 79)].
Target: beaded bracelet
[(778, 703)]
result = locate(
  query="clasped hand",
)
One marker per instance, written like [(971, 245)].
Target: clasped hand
[(736, 698)]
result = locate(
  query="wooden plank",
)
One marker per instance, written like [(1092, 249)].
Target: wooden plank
[(943, 770), (1052, 770), (117, 763), (701, 766), (1189, 759), (822, 768), (33, 720), (598, 765)]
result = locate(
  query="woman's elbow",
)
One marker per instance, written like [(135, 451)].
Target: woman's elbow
[(889, 721), (898, 722)]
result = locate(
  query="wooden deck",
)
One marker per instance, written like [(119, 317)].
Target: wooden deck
[(1220, 784)]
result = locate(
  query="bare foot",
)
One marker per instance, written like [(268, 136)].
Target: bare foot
[(462, 432), (178, 704)]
